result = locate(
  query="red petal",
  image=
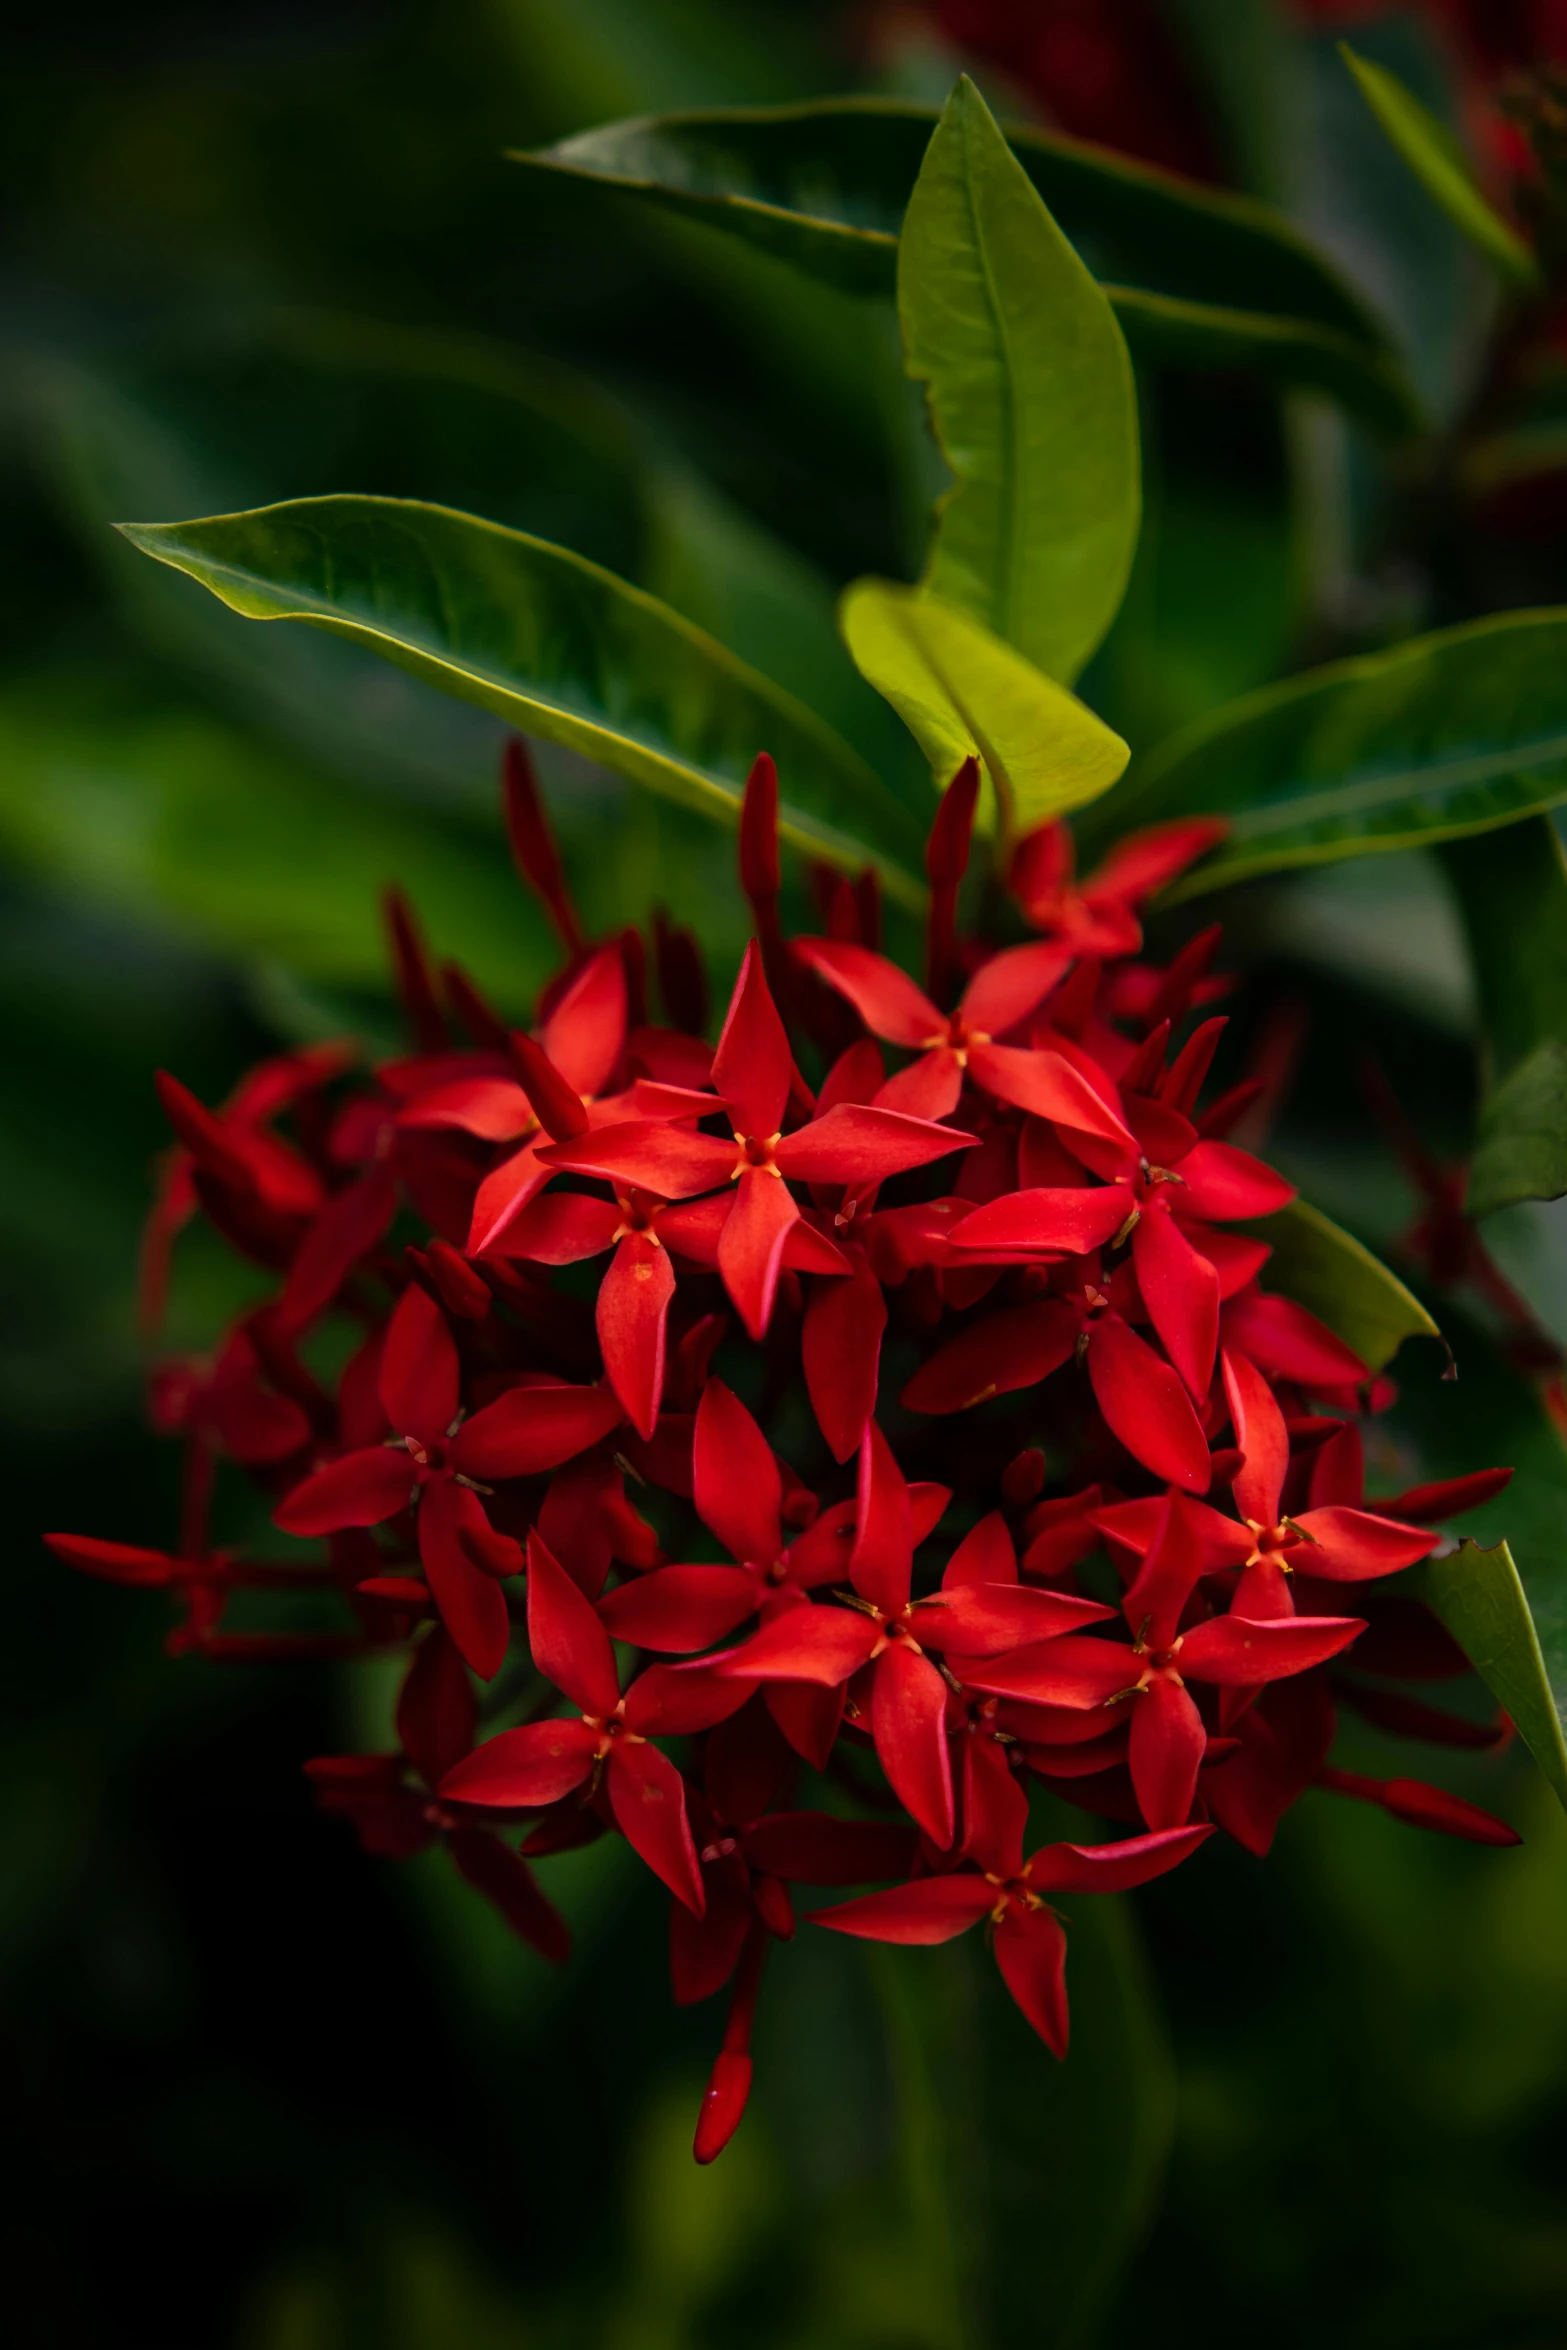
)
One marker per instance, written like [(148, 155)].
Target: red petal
[(751, 1245), (561, 1228), (739, 1491), (1144, 861), (351, 1224), (935, 1910), (984, 1620), (1015, 1348), (633, 1306), (522, 1770), (1261, 1434), (1166, 1751), (823, 1645), (1287, 1342), (419, 1368), (723, 2103), (436, 1711), (1169, 1573), (1076, 1221), (494, 1109), (1181, 1291), (1010, 985), (648, 1798), (1238, 1653), (504, 1194), (840, 1347), (678, 1609), (1146, 1406), (1077, 1671), (1046, 1085), (883, 1554), (808, 1716), (1225, 1183), (671, 1701), (752, 1066), (116, 1562), (570, 1646), (1031, 1953), (985, 1555), (1112, 1868), (672, 1162), (859, 1146), (930, 1087), (556, 1105), (530, 1429), (1450, 1497), (909, 1717), (1352, 1546), (359, 1490), (814, 1848), (585, 1033), (886, 999), (472, 1604)]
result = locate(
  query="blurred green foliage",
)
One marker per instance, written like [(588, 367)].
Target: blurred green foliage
[(262, 2091)]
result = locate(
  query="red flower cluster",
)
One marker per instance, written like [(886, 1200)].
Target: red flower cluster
[(1123, 1579)]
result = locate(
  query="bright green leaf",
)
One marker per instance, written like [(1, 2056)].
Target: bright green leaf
[(1031, 396), (1441, 166), (1326, 1269), (1520, 1654), (556, 646), (1512, 890), (1194, 275), (1446, 735), (963, 693)]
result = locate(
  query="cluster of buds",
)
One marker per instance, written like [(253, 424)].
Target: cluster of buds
[(598, 1359)]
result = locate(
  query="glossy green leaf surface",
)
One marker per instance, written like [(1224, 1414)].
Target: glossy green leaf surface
[(1514, 1633), (1511, 888), (1439, 163), (1031, 396), (1448, 734), (1338, 1278), (964, 693), (556, 646), (1194, 275)]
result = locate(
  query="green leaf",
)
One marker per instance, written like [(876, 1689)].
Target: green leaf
[(1521, 1142), (1031, 397), (1511, 888), (1193, 275), (963, 693), (1328, 1270), (1441, 166), (1447, 735), (1518, 1649), (556, 646)]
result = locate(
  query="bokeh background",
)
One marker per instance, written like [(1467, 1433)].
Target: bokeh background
[(260, 2090)]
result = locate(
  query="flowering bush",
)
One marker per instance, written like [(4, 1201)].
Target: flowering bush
[(789, 1454)]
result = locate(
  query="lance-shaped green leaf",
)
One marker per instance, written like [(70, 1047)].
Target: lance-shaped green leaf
[(1204, 278), (1031, 397), (1439, 163), (1449, 734), (1328, 1270), (1510, 1620), (555, 645), (1512, 891), (962, 693)]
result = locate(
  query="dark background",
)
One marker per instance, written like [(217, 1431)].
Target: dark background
[(259, 2090)]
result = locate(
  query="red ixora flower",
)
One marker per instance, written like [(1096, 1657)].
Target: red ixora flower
[(549, 1434), (754, 1078)]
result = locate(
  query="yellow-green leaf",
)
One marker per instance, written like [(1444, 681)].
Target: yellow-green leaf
[(963, 693)]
